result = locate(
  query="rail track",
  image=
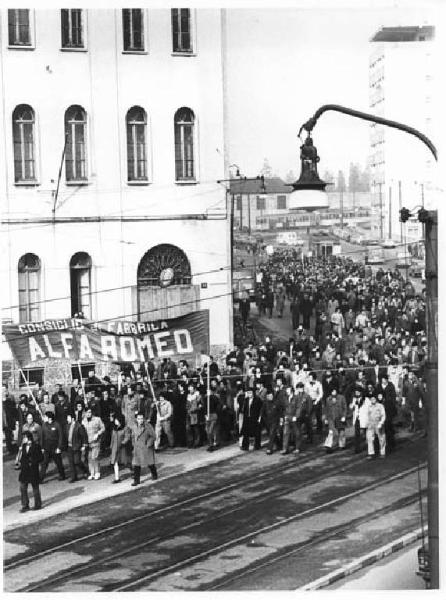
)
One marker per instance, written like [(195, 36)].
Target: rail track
[(291, 477)]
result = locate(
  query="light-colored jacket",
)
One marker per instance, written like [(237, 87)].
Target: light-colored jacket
[(164, 410), (315, 391), (376, 415), (94, 428), (361, 412)]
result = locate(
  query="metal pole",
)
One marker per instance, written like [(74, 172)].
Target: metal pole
[(390, 212), (380, 211), (399, 208), (249, 215), (431, 236)]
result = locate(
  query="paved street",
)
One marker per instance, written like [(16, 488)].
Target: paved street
[(271, 511)]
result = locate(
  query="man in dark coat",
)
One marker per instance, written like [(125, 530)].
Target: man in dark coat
[(77, 440), (143, 440), (271, 413), (387, 394), (52, 441), (250, 407), (30, 457)]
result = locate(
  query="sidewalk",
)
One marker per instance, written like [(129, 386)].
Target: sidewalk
[(61, 496)]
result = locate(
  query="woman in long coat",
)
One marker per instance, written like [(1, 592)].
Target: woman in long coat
[(143, 439), (120, 438)]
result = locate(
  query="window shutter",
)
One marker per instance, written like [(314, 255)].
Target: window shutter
[(138, 35), (126, 27), (65, 28), (175, 30), (24, 37)]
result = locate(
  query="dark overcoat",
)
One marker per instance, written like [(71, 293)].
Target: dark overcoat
[(29, 463), (143, 439)]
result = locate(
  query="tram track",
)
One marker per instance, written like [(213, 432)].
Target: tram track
[(149, 544), (266, 475)]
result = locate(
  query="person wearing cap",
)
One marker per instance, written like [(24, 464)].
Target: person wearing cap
[(375, 427), (335, 418)]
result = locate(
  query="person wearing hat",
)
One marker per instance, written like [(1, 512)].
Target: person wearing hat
[(30, 456)]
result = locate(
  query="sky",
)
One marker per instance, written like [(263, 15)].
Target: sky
[(283, 63)]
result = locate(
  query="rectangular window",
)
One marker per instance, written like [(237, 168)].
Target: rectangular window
[(29, 296), (34, 377), (72, 28), (19, 27), (85, 370), (281, 202), (239, 203), (133, 29), (184, 152), (181, 30), (261, 203)]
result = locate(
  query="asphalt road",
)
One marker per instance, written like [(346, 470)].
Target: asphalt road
[(252, 522)]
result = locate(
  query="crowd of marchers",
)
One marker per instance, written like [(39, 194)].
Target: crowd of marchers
[(356, 358)]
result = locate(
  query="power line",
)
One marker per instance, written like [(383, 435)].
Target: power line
[(114, 289)]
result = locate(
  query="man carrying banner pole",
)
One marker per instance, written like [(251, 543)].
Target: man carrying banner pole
[(213, 402)]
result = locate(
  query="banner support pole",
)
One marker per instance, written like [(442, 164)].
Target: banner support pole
[(30, 391)]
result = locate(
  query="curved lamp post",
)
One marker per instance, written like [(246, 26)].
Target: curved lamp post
[(310, 183)]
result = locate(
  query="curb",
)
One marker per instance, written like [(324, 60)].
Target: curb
[(364, 561)]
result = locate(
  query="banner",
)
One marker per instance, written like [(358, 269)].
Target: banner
[(115, 341)]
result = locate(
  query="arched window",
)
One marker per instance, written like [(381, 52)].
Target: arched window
[(136, 121), (184, 145), (80, 281), (29, 288), (75, 149), (23, 127), (164, 265)]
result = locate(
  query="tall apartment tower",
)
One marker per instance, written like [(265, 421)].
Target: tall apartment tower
[(401, 88)]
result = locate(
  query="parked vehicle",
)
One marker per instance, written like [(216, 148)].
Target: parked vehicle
[(388, 244), (375, 258), (371, 242), (416, 271)]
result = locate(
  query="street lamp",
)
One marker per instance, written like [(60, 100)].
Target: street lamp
[(430, 220), (309, 190)]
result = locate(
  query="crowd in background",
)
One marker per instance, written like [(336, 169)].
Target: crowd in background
[(356, 357)]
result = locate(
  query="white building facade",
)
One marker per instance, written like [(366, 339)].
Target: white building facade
[(128, 105), (401, 84)]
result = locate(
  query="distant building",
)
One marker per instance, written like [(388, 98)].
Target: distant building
[(401, 88), (264, 205)]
